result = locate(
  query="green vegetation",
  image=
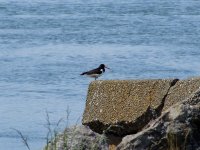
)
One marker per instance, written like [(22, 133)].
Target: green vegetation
[(73, 138)]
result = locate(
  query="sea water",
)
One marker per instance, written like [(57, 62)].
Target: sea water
[(46, 44)]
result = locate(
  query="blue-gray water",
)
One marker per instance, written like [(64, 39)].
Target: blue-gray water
[(46, 44)]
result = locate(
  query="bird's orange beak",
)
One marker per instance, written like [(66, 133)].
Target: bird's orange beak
[(107, 67)]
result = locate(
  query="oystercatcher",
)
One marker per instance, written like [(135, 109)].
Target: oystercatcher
[(95, 73)]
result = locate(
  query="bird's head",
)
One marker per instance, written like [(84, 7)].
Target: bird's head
[(102, 66)]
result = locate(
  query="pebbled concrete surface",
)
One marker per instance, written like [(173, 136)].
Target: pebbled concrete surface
[(121, 107)]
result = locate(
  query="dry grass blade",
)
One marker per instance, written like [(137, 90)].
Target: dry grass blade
[(24, 139)]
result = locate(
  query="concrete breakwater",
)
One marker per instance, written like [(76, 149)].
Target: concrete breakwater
[(122, 107)]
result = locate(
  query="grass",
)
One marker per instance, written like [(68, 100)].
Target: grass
[(70, 139), (172, 142), (176, 142), (23, 138)]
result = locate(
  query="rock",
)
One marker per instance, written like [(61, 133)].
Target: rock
[(124, 107), (139, 115), (177, 128), (80, 138)]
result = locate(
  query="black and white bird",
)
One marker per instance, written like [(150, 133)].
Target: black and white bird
[(95, 73)]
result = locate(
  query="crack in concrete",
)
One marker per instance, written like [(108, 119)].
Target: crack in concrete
[(123, 128), (159, 109)]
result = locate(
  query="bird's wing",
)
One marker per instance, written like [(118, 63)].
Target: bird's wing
[(94, 71)]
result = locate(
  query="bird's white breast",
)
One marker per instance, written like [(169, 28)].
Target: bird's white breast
[(94, 75)]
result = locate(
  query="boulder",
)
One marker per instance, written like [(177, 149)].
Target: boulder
[(177, 128), (122, 107), (78, 137), (119, 107)]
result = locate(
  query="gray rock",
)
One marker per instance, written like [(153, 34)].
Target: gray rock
[(78, 138), (176, 129)]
